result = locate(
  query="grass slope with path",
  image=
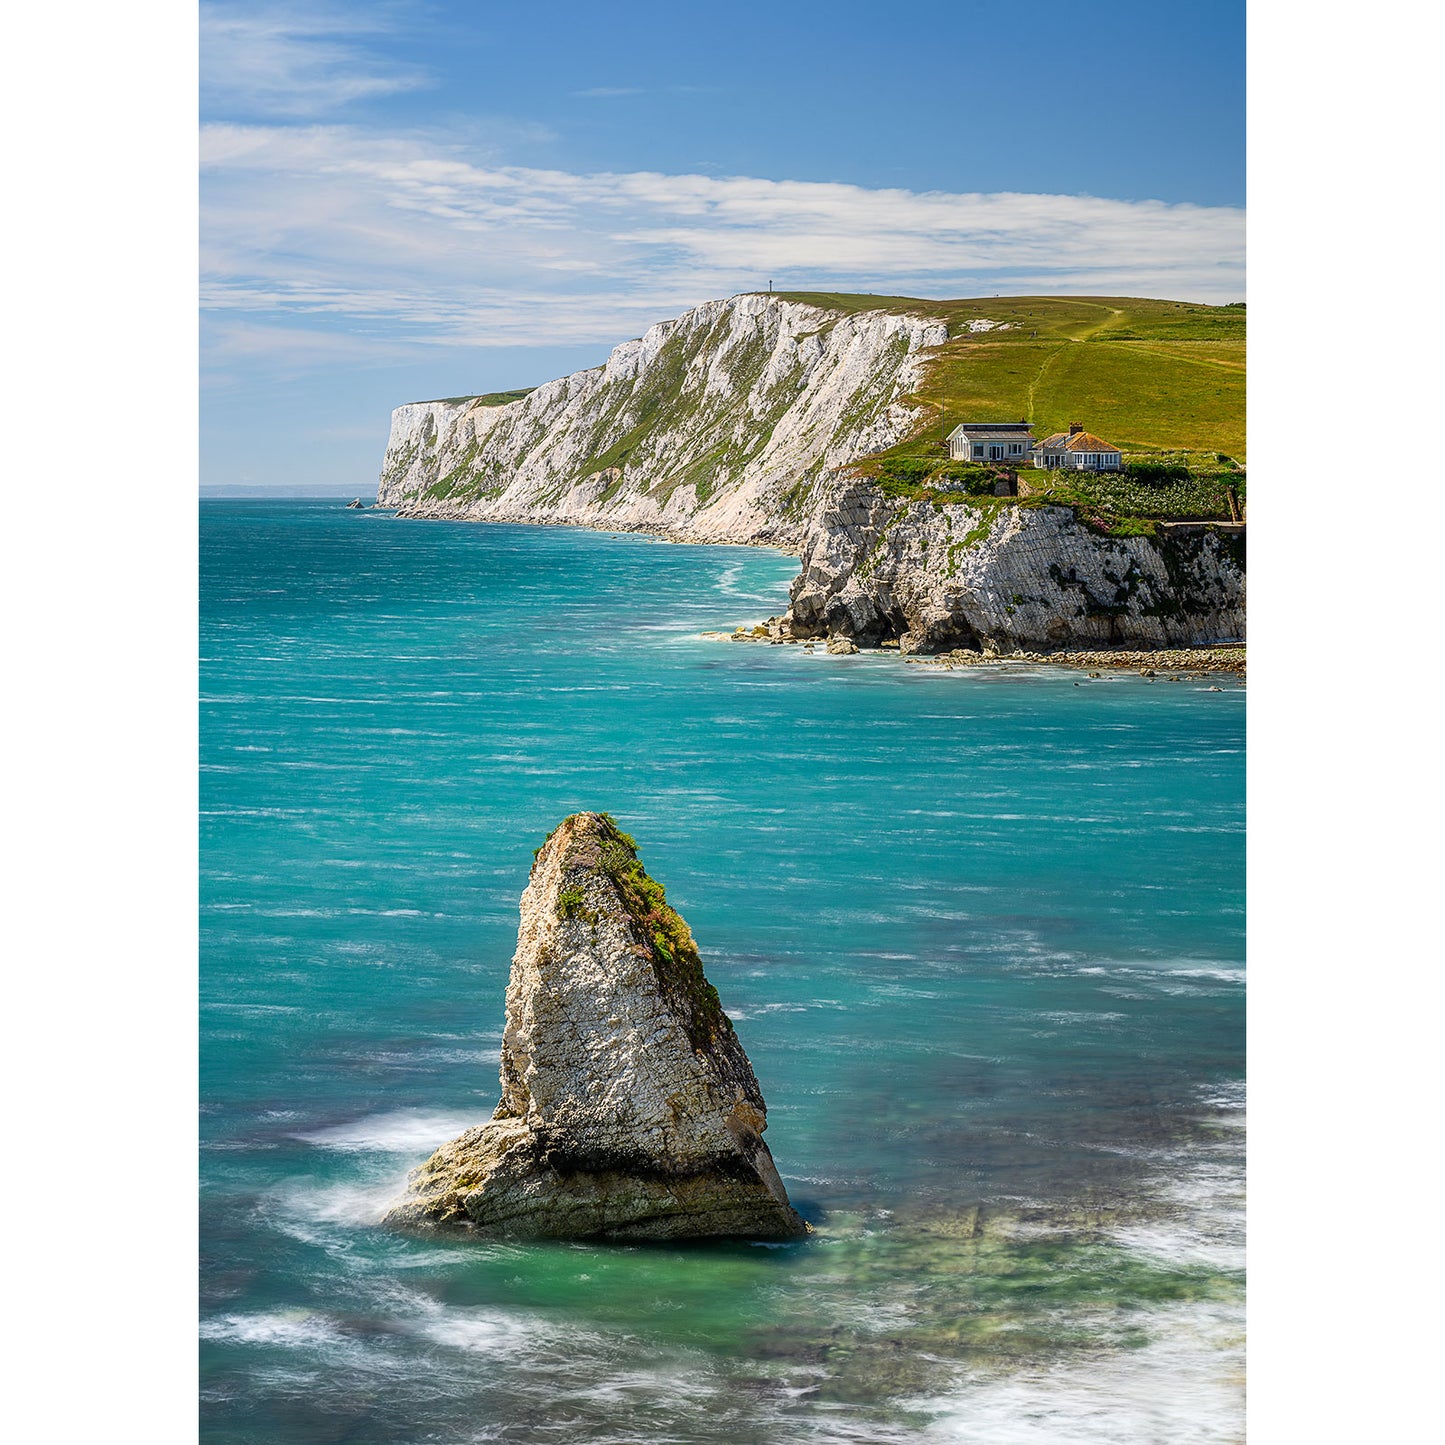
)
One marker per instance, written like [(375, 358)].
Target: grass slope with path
[(1149, 376)]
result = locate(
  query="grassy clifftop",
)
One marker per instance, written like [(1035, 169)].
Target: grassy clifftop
[(1147, 375), (491, 398), (1162, 380)]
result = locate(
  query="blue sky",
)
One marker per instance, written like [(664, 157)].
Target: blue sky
[(403, 201)]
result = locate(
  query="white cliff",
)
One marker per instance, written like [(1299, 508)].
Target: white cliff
[(711, 427), (1005, 577)]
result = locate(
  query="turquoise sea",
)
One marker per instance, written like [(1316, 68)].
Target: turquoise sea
[(981, 933)]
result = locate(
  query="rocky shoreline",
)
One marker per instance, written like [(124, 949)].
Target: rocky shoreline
[(787, 545), (1066, 615), (1226, 657), (1148, 663), (1175, 662)]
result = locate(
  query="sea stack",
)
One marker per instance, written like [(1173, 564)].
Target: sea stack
[(629, 1109)]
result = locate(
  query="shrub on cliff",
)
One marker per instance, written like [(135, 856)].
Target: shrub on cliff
[(912, 477)]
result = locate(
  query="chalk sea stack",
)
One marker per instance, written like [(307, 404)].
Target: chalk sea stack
[(629, 1109)]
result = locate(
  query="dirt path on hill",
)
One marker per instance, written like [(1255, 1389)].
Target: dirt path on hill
[(1236, 366)]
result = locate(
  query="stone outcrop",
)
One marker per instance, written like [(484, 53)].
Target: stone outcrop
[(711, 427), (1006, 577), (629, 1109)]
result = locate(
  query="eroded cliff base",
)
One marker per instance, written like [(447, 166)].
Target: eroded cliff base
[(996, 578)]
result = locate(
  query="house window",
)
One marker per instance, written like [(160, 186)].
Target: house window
[(978, 451), (1015, 447)]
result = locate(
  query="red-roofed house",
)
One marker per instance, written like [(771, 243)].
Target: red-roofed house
[(1077, 449)]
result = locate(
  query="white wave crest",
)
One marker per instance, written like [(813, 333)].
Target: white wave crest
[(403, 1131), (287, 1328), (1185, 1387)]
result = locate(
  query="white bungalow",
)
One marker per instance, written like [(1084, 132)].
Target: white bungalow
[(1078, 450), (990, 441)]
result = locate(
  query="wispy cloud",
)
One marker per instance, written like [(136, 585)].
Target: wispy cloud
[(608, 92), (232, 340), (418, 239), (294, 60)]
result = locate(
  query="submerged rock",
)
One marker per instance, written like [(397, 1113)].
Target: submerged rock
[(629, 1109)]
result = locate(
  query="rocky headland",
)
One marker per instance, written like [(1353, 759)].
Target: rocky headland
[(992, 577), (629, 1109), (742, 421)]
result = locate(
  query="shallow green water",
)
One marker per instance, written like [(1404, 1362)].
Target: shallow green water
[(981, 934)]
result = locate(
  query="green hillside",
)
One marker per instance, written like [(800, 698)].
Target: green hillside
[(1149, 376)]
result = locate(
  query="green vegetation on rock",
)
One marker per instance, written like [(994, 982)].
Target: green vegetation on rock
[(572, 903), (490, 398), (679, 969), (1110, 497), (934, 478)]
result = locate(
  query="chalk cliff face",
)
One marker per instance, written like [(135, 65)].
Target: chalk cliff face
[(629, 1109), (710, 427), (1003, 577)]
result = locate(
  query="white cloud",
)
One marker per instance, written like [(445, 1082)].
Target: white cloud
[(417, 238), (293, 60), (234, 340)]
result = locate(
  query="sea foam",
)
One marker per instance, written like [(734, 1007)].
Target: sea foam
[(401, 1131)]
